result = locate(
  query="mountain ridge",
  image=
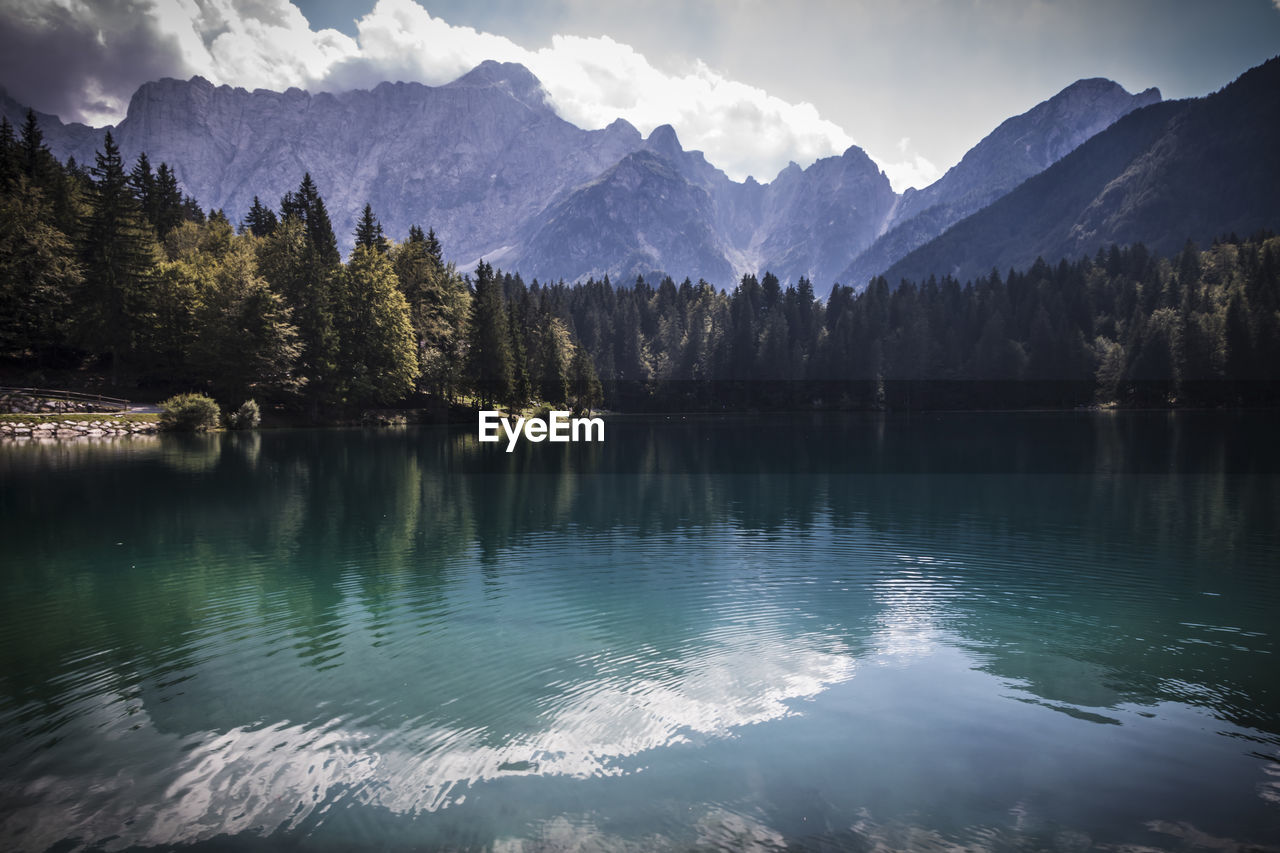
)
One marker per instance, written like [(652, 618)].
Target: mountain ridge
[(1196, 168), (486, 161)]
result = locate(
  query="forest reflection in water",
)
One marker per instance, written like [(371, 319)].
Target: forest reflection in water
[(1028, 624)]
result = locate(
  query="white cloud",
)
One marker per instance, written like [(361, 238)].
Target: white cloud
[(590, 81), (910, 170)]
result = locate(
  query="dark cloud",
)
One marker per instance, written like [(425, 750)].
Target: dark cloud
[(82, 67)]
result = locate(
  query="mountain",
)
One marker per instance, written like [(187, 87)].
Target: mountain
[(1019, 148), (665, 209), (641, 217), (475, 159), (1197, 168), (816, 219), (488, 164)]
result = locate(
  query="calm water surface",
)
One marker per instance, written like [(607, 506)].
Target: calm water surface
[(978, 632)]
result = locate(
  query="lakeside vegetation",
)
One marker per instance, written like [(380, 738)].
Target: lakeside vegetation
[(116, 273)]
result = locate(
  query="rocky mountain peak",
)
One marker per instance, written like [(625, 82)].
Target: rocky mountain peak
[(663, 141), (511, 77), (623, 128)]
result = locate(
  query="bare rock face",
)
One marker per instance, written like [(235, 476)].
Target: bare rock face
[(641, 217), (473, 159), (818, 219), (488, 164)]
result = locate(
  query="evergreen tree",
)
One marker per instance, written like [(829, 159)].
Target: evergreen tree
[(261, 221), (433, 245), (168, 209), (9, 158), (1238, 337), (118, 257), (439, 306), (292, 208), (143, 183), (39, 273), (34, 157), (191, 210), (585, 390), (490, 365), (554, 354), (368, 232), (520, 386), (288, 262), (378, 361), (316, 218)]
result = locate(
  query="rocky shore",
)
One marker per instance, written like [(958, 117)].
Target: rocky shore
[(54, 428)]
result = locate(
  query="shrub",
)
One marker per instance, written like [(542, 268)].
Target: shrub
[(245, 417), (189, 413)]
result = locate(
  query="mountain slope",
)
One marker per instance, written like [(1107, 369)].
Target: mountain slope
[(641, 217), (1197, 168), (817, 219), (1019, 148)]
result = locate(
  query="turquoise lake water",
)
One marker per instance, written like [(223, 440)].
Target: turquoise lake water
[(932, 632)]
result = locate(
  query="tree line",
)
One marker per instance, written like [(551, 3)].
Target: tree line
[(117, 268)]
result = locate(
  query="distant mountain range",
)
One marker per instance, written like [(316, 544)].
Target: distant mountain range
[(488, 164)]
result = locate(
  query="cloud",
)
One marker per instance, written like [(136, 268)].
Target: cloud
[(912, 170), (78, 60), (105, 50), (592, 81)]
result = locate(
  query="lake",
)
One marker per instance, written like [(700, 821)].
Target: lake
[(875, 632)]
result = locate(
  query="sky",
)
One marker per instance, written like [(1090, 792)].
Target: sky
[(754, 84)]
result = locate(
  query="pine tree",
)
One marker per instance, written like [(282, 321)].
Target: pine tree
[(143, 182), (368, 232), (34, 155), (191, 210), (9, 167), (168, 204), (316, 218), (118, 258), (433, 245), (261, 221), (288, 262), (439, 306), (520, 385), (490, 366), (292, 208), (586, 392), (32, 158), (39, 273)]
